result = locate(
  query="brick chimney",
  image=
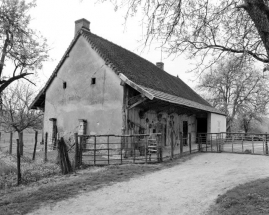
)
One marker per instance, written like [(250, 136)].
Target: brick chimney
[(160, 65), (81, 23)]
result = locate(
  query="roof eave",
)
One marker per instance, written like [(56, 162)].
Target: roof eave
[(54, 74)]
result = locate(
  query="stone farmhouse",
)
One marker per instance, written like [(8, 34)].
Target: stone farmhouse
[(99, 87)]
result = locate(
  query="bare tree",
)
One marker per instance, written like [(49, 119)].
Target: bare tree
[(249, 120), (236, 88), (22, 49), (204, 27), (16, 115)]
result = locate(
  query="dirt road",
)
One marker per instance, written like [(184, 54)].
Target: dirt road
[(189, 188)]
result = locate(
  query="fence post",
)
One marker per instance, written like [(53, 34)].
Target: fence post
[(266, 145), (80, 150), (242, 143), (18, 162), (132, 142), (199, 145), (161, 147), (121, 148), (172, 146), (211, 142), (36, 134), (10, 143), (252, 145), (146, 149), (94, 152), (108, 149), (190, 142), (181, 143), (46, 148), (76, 151)]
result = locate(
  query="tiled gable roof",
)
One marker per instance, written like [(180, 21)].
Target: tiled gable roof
[(141, 71)]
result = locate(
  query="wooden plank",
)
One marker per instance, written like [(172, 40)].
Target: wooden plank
[(242, 144), (108, 149), (190, 142), (10, 142), (18, 163), (146, 147), (46, 148), (94, 153), (137, 103), (80, 149), (181, 143), (36, 134), (135, 86), (76, 151), (252, 145)]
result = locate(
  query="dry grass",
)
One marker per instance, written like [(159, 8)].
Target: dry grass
[(50, 190), (250, 198)]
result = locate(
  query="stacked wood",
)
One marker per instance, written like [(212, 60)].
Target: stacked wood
[(64, 161)]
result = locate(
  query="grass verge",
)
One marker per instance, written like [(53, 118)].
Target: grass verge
[(25, 199), (250, 198)]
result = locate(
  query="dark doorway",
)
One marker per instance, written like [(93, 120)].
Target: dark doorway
[(202, 128), (201, 125), (185, 132)]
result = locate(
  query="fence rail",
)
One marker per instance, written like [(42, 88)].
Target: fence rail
[(252, 143), (123, 149)]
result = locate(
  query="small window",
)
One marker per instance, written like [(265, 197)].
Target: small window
[(93, 80), (64, 85)]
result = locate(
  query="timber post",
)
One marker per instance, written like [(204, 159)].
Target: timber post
[(266, 145), (94, 152), (108, 149), (10, 142), (80, 150), (199, 143), (190, 142), (46, 148), (36, 134), (18, 163), (172, 145), (76, 151), (242, 143), (181, 143), (146, 150), (161, 147)]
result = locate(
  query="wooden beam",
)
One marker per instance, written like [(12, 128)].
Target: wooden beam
[(137, 103), (135, 86)]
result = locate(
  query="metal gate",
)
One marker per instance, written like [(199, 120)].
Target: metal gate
[(251, 143)]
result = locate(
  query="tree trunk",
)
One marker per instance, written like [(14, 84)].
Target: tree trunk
[(259, 13), (20, 134), (10, 143), (229, 125)]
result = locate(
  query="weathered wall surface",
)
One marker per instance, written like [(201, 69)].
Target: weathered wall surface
[(100, 104), (170, 125), (217, 123)]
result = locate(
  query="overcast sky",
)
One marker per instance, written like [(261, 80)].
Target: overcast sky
[(55, 20)]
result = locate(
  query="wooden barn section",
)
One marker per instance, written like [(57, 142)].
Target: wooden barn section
[(101, 88)]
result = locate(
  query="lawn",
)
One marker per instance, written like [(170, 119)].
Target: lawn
[(250, 198)]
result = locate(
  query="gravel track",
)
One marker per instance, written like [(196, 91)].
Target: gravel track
[(188, 188)]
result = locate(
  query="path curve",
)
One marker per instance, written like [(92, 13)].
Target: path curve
[(188, 188)]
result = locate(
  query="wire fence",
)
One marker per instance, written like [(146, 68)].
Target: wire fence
[(28, 146)]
